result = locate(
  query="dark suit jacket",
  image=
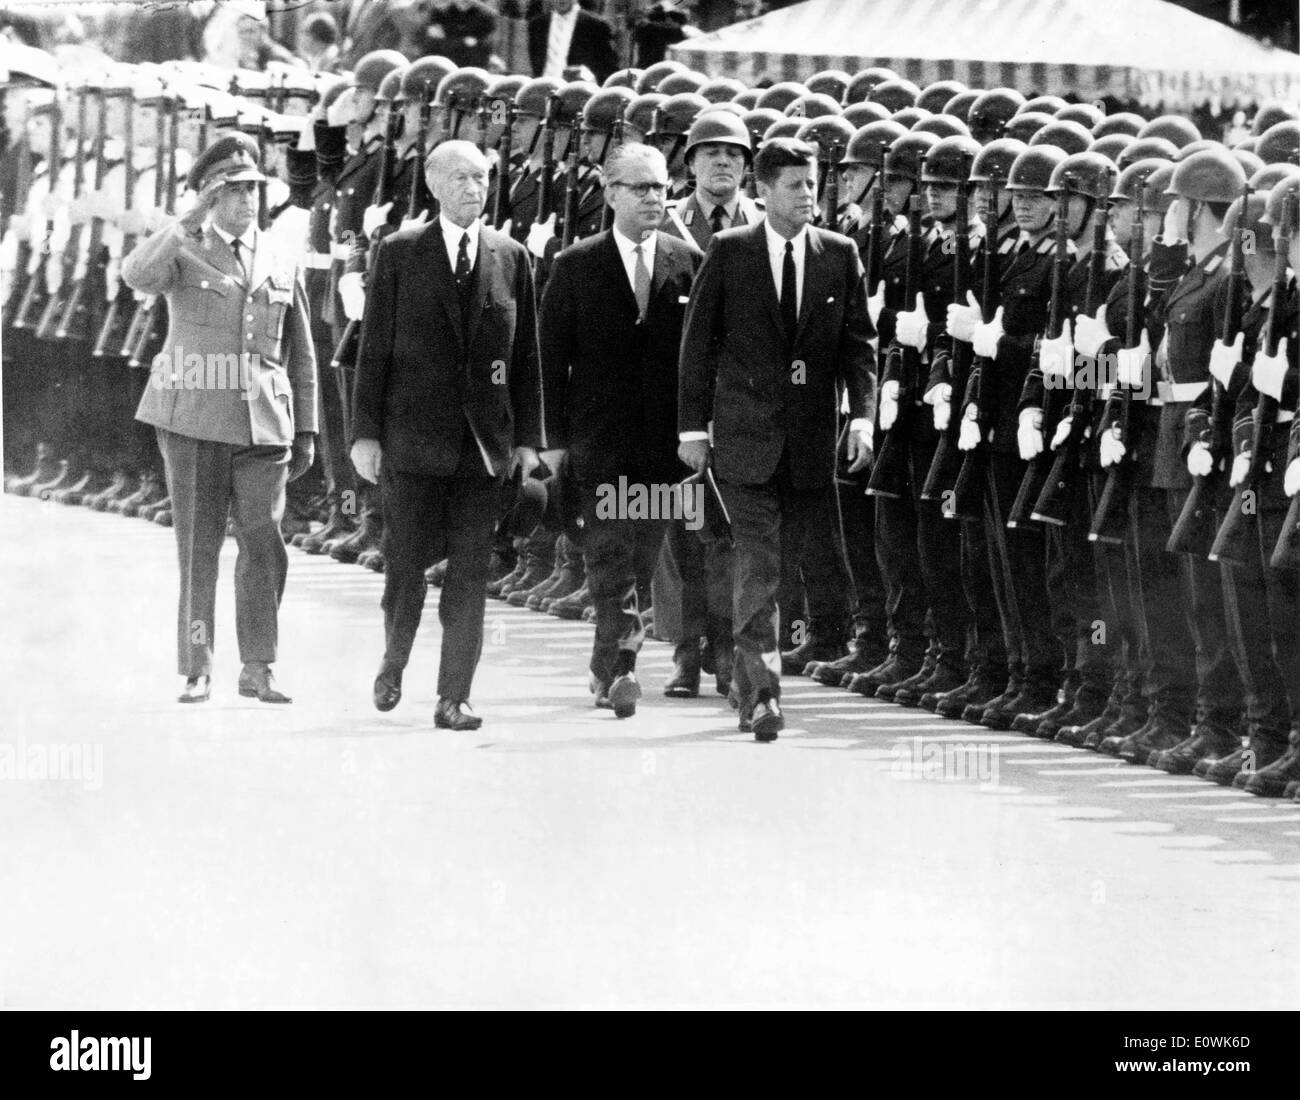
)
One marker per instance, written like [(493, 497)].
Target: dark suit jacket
[(422, 371), (592, 44), (735, 372), (610, 383)]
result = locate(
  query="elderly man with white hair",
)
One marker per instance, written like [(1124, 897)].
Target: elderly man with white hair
[(447, 403)]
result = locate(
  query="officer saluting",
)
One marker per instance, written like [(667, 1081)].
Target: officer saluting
[(228, 436)]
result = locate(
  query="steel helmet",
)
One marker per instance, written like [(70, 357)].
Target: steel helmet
[(601, 111), (423, 77), (863, 81), (1032, 170), (935, 97), (676, 113), (1048, 104), (1085, 173), (950, 159), (722, 89), (1211, 175), (1250, 163), (859, 114), (827, 132), (1024, 126), (909, 116), (759, 121), (573, 97), (1253, 222), (903, 161), (1158, 197), (870, 143), (995, 161), (1175, 128), (464, 89), (641, 111), (1279, 143), (376, 65), (1280, 213), (1251, 144), (1085, 114), (895, 94), (991, 112), (1195, 147), (1270, 114), (716, 126), (747, 100), (960, 104), (684, 80), (1267, 177), (1126, 122), (942, 126), (623, 78), (1069, 136), (783, 127), (649, 80), (812, 105), (831, 82), (534, 97), (1130, 181), (390, 88), (1141, 148), (780, 96), (1112, 145)]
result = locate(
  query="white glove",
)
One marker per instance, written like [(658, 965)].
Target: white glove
[(79, 210), (1199, 460), (53, 272), (1056, 357), (888, 404), (1224, 359), (876, 303), (422, 218), (1291, 482), (9, 255), (51, 205), (112, 277), (1111, 447), (940, 397), (1240, 468), (341, 110), (1062, 431), (366, 455), (1268, 371), (539, 234), (1132, 364), (374, 217), (1029, 435), (962, 319), (353, 295), (1090, 333), (969, 436), (912, 327), (134, 222), (985, 338), (21, 227)]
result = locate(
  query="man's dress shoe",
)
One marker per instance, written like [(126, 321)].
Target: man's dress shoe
[(767, 721), (197, 690), (624, 691), (388, 689), (450, 715), (256, 682)]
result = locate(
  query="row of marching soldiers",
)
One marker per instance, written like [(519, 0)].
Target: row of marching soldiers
[(1080, 523)]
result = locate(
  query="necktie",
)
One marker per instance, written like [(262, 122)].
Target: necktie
[(641, 284), (789, 295), (715, 222), (463, 270), (239, 257)]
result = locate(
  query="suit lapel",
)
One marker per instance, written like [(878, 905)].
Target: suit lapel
[(663, 265), (767, 289), (617, 274), (484, 267), (815, 280)]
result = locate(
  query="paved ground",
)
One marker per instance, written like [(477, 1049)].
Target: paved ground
[(240, 855)]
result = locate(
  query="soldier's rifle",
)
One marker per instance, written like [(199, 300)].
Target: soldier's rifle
[(35, 293), (22, 187), (56, 303), (124, 297), (505, 148), (154, 307)]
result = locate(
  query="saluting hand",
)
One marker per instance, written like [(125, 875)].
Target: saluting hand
[(192, 221)]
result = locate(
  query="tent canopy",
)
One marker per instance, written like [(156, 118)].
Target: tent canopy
[(1145, 50)]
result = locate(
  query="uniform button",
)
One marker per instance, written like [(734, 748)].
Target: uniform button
[(249, 317), (250, 336), (204, 284)]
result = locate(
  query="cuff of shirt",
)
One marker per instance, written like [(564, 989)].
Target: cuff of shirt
[(860, 424), (692, 437)]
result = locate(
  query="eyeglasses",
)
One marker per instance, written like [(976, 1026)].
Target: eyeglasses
[(641, 190)]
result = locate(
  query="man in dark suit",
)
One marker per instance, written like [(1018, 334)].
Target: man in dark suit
[(611, 398), (447, 401), (776, 331), (566, 36)]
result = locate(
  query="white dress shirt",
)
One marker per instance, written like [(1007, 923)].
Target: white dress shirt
[(248, 241), (558, 39), (451, 235), (628, 256)]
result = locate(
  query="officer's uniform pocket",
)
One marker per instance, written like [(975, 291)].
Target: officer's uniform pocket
[(279, 297), (204, 299), (283, 392)]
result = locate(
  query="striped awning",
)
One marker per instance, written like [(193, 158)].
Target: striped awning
[(1144, 50)]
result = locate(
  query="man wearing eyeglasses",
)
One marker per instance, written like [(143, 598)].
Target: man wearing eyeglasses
[(777, 328), (610, 395)]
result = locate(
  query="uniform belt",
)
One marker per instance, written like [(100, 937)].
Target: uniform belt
[(1177, 393), (340, 250), (318, 261)]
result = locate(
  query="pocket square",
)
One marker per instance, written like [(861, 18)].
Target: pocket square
[(830, 299), (683, 299)]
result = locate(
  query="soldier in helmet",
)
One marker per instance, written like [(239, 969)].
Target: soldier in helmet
[(990, 420), (668, 133), (1086, 179)]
